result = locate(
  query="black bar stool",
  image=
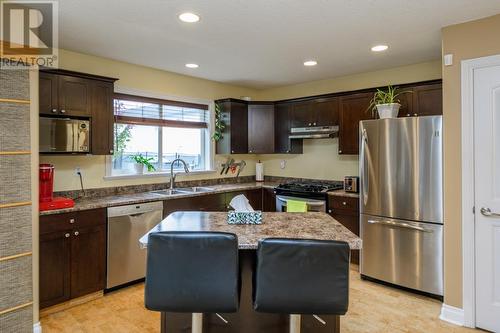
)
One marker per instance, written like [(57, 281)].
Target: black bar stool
[(192, 272), (299, 276)]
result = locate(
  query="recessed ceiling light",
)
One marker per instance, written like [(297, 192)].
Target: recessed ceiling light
[(310, 63), (189, 17), (192, 65), (379, 48)]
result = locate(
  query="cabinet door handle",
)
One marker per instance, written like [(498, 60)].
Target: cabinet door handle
[(314, 124), (344, 203), (63, 111), (330, 211), (407, 114), (111, 151), (310, 124), (340, 151), (232, 151), (66, 235), (71, 221), (415, 114), (76, 233), (54, 110)]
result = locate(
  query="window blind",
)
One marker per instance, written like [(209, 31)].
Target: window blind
[(158, 112)]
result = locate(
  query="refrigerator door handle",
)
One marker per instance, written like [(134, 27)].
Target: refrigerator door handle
[(400, 225), (364, 174)]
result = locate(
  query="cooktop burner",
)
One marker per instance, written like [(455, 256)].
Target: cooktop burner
[(309, 187)]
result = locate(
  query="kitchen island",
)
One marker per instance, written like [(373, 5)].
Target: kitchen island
[(319, 226)]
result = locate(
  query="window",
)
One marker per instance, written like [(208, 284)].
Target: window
[(161, 131)]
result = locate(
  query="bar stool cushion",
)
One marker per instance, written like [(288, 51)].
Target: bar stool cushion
[(192, 272), (302, 276)]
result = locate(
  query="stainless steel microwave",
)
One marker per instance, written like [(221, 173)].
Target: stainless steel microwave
[(64, 135)]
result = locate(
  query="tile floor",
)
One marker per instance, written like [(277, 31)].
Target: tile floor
[(373, 308)]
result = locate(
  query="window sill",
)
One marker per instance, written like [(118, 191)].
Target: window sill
[(157, 174)]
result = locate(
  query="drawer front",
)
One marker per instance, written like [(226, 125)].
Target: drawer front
[(68, 221), (344, 203)]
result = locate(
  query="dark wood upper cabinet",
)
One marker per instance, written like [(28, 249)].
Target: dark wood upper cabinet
[(406, 101), (102, 140), (72, 255), (48, 100), (282, 125), (353, 109), (261, 128), (65, 93), (235, 135), (428, 100), (301, 114), (74, 96), (325, 112)]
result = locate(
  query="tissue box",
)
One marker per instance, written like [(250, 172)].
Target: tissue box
[(234, 217)]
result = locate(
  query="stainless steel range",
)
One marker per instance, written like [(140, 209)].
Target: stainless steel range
[(313, 193)]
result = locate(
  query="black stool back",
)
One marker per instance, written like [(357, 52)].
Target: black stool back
[(192, 272), (297, 276)]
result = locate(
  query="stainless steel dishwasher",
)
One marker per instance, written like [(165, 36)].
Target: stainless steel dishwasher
[(126, 261)]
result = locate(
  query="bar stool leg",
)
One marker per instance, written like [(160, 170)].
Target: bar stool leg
[(197, 323), (294, 323)]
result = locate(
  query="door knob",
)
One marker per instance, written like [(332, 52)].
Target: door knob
[(488, 212)]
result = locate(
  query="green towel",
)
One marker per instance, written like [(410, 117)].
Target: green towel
[(295, 206)]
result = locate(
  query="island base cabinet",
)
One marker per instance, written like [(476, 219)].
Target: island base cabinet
[(246, 320)]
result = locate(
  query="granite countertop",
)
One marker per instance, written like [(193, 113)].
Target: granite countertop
[(320, 226), (342, 193), (134, 198)]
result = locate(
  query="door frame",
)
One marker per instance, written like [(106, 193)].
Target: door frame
[(468, 185)]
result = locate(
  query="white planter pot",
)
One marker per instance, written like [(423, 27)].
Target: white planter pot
[(139, 168), (388, 110)]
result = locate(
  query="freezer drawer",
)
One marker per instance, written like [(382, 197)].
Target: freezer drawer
[(409, 254)]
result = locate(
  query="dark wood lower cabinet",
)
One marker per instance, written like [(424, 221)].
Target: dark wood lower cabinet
[(72, 255), (346, 211), (55, 266), (88, 260), (268, 199)]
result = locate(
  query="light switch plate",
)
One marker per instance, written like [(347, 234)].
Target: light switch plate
[(448, 59)]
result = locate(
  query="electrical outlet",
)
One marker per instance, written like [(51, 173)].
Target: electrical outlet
[(77, 170), (283, 164)]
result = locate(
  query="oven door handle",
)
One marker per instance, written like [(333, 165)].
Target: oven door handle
[(310, 203)]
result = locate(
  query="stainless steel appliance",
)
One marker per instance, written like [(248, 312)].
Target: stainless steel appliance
[(126, 261), (401, 202), (315, 132), (64, 135), (312, 193), (351, 184)]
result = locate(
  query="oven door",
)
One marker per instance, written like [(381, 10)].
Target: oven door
[(313, 205)]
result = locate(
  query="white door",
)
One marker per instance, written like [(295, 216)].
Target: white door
[(487, 196)]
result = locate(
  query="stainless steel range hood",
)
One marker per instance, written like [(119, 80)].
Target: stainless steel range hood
[(319, 132)]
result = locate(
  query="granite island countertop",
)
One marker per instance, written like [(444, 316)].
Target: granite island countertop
[(142, 197), (320, 226)]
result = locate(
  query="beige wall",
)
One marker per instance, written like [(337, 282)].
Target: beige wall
[(465, 41), (142, 79), (321, 159)]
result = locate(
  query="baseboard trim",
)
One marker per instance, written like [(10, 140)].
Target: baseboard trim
[(452, 315), (37, 328)]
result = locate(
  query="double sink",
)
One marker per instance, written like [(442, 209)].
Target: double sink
[(183, 190)]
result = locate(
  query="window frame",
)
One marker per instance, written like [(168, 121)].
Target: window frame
[(208, 148)]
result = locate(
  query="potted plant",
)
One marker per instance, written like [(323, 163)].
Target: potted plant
[(140, 162), (386, 103)]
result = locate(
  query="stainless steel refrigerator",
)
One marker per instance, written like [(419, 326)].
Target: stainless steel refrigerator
[(401, 202)]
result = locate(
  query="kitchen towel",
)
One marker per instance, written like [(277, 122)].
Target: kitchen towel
[(259, 171), (295, 206)]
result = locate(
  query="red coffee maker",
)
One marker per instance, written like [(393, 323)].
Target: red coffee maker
[(46, 192)]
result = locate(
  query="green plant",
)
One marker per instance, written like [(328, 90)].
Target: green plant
[(384, 97), (138, 158), (219, 124)]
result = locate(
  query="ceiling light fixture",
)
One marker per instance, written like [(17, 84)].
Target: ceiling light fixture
[(310, 63), (189, 17), (379, 48), (192, 65)]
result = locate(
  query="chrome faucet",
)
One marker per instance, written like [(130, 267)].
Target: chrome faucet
[(172, 174)]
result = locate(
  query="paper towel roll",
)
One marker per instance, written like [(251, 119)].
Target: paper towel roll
[(259, 171)]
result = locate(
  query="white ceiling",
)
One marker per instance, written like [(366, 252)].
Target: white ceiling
[(263, 43)]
